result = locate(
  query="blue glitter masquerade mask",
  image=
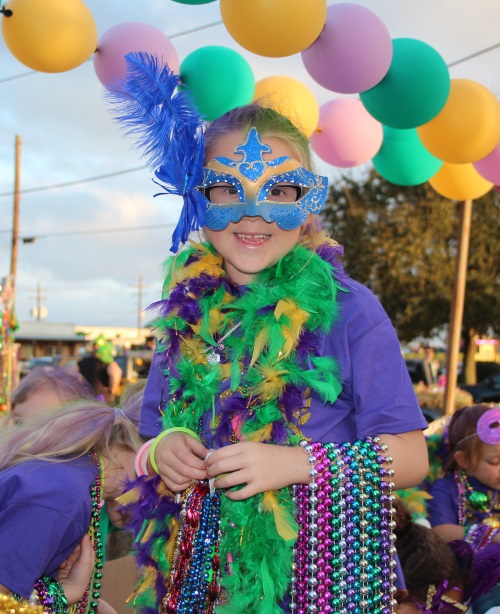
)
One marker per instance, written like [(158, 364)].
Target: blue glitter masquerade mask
[(279, 190)]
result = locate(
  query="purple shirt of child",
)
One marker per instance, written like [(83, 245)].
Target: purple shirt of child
[(45, 510), (443, 508)]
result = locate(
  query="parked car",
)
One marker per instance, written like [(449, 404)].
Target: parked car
[(25, 366), (486, 391), (419, 371), (134, 365)]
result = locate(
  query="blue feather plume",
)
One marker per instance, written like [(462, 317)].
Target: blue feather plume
[(169, 130)]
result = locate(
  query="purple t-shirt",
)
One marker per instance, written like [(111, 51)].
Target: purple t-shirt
[(443, 507), (377, 394), (45, 510)]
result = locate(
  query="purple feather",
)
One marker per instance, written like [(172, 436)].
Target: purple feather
[(486, 570)]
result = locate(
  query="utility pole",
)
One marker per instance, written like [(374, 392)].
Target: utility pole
[(15, 220), (140, 287), (38, 298), (457, 305)]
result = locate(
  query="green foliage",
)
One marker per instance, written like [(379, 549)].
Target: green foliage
[(402, 241)]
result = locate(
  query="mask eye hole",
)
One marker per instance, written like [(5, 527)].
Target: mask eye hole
[(221, 194), (284, 193)]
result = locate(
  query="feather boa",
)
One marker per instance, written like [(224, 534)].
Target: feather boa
[(267, 374)]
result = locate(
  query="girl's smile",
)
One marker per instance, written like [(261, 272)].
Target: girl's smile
[(252, 244)]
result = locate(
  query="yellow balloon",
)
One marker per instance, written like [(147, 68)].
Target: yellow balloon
[(274, 28), (459, 182), (50, 36), (291, 98), (467, 128)]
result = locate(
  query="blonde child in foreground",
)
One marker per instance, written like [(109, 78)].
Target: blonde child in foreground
[(263, 341)]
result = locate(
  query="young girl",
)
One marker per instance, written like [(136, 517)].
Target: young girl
[(263, 342), (44, 389), (465, 502), (56, 472)]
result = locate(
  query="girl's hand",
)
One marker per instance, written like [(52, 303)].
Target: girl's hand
[(181, 460), (74, 574), (104, 607), (259, 466)]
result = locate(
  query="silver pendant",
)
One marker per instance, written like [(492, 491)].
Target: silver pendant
[(213, 358)]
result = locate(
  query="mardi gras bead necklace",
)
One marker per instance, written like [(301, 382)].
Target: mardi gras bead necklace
[(89, 602), (344, 553), (193, 584), (471, 500)]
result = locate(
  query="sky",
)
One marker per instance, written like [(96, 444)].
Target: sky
[(92, 251)]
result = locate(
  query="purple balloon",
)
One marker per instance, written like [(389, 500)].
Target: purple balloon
[(489, 167), (353, 52), (109, 59)]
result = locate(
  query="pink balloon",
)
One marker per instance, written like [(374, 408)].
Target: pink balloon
[(489, 167), (353, 52), (347, 135), (109, 58)]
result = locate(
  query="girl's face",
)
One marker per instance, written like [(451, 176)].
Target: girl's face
[(252, 244), (41, 401), (487, 469)]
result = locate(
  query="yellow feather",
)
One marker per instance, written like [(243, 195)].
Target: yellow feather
[(272, 383), (193, 348), (132, 496), (215, 320), (195, 328), (281, 516), (147, 532), (263, 434), (209, 264), (148, 579), (260, 343), (170, 545), (297, 318)]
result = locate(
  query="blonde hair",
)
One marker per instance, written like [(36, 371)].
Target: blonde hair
[(84, 426), (268, 122)]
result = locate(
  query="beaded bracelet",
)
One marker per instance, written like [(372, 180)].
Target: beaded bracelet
[(480, 535), (141, 458), (175, 429), (49, 594), (344, 556)]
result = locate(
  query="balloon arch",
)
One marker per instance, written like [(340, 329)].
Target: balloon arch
[(402, 111)]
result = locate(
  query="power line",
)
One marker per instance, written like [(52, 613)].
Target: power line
[(19, 76), (66, 233), (473, 55), (208, 25), (95, 231), (75, 182), (177, 35)]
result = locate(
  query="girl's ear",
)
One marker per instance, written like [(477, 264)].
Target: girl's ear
[(461, 459)]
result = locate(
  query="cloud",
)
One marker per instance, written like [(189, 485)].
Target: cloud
[(68, 135)]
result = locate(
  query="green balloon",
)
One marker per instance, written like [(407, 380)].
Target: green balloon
[(193, 1), (415, 88), (218, 79), (403, 160)]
